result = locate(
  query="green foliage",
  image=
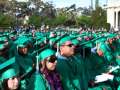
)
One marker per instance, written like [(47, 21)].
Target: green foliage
[(38, 20), (99, 18), (60, 19), (84, 21), (6, 20), (48, 21), (35, 20)]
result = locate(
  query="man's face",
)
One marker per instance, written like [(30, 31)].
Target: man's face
[(67, 49), (24, 50)]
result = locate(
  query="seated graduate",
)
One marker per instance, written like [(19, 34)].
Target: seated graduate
[(48, 69)]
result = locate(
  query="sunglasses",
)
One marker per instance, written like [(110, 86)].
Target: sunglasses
[(52, 59), (69, 45)]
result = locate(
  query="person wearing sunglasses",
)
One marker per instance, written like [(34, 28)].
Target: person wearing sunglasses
[(70, 66), (48, 69)]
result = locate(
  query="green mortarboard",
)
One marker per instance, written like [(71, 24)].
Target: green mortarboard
[(11, 71), (11, 35), (46, 53), (75, 41), (1, 46), (58, 33), (3, 38), (103, 48), (21, 45), (52, 40), (8, 73), (22, 42), (109, 57), (7, 63), (101, 40), (112, 35), (86, 44), (63, 40), (38, 42)]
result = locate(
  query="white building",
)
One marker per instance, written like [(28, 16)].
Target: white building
[(113, 14), (22, 0)]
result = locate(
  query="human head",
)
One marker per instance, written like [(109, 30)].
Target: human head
[(23, 50), (67, 49), (48, 59), (11, 83), (110, 40), (10, 79)]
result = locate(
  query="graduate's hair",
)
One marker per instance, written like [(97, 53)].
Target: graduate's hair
[(19, 51), (42, 64), (5, 86)]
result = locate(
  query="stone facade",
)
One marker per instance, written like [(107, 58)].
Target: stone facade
[(113, 14)]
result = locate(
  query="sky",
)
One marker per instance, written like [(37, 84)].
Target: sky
[(79, 3), (67, 3)]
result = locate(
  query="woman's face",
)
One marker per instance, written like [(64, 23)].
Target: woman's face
[(13, 83), (51, 63)]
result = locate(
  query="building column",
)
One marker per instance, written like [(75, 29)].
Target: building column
[(116, 27)]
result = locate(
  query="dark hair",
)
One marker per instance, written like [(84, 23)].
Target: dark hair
[(43, 65), (5, 86), (20, 52), (4, 52)]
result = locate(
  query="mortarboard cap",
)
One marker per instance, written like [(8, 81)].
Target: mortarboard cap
[(22, 42), (9, 69), (46, 53), (63, 40), (75, 42), (1, 46), (3, 38), (8, 73)]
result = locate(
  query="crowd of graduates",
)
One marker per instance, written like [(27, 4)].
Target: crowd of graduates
[(59, 59)]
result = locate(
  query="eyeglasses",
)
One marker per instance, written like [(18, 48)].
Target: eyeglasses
[(69, 45), (52, 59)]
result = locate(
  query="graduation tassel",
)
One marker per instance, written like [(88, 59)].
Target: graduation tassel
[(37, 62), (58, 48), (45, 41)]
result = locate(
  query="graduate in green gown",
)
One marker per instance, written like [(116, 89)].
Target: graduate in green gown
[(9, 75), (70, 66), (25, 63)]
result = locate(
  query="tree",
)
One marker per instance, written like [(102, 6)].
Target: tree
[(35, 20), (6, 20), (60, 19), (3, 5), (84, 21), (99, 18)]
